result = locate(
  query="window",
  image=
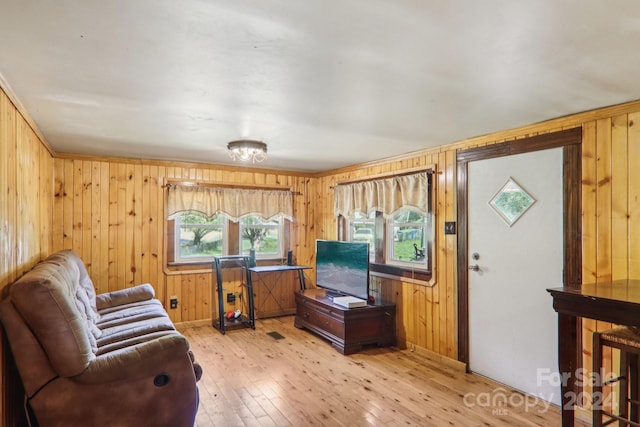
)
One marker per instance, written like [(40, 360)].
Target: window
[(195, 238), (263, 236), (206, 220), (198, 238), (408, 238), (363, 229), (401, 222)]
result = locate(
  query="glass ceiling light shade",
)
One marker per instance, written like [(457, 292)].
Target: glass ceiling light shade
[(247, 149)]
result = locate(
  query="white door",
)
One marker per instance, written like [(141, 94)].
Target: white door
[(512, 325)]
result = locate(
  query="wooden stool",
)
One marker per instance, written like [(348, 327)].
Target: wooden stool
[(627, 340)]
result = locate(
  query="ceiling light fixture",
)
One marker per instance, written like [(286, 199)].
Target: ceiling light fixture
[(247, 149)]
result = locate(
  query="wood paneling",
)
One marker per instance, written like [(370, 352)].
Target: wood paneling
[(274, 293), (112, 212), (610, 240), (425, 316), (8, 198), (633, 195), (26, 205), (610, 207)]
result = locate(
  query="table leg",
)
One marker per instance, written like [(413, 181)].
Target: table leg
[(567, 361), (634, 379), (303, 285), (250, 309)]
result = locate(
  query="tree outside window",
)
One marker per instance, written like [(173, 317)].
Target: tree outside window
[(401, 235), (198, 236), (261, 235)]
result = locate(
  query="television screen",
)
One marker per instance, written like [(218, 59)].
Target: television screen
[(343, 267)]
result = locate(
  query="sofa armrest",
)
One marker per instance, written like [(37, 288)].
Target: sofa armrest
[(147, 359), (28, 353), (137, 293)]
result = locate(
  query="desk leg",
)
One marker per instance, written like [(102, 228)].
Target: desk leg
[(567, 359), (250, 308), (303, 285)]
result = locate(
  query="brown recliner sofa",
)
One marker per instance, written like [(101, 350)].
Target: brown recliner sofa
[(96, 360)]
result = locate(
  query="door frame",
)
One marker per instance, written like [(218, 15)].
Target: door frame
[(571, 141)]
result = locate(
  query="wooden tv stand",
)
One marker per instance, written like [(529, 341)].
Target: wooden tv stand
[(348, 329)]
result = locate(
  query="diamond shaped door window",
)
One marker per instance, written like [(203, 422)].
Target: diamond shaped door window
[(511, 202)]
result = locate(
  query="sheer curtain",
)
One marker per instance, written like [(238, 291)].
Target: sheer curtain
[(387, 195), (235, 203)]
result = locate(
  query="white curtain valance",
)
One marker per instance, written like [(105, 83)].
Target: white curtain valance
[(235, 203), (387, 195)]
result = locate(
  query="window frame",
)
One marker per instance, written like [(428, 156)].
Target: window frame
[(230, 247), (233, 244), (390, 225), (379, 266), (279, 227), (198, 259), (351, 227)]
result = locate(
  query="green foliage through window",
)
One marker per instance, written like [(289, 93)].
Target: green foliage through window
[(410, 234), (260, 235), (198, 236), (511, 202)]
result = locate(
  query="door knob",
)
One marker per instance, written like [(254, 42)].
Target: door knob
[(474, 267)]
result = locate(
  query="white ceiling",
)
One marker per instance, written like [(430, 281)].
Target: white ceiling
[(325, 83)]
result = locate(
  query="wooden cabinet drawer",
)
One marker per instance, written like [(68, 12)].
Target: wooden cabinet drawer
[(319, 308), (329, 324), (347, 329), (320, 319)]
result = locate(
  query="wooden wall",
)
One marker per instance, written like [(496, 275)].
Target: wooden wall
[(26, 172), (426, 316), (112, 213), (610, 211)]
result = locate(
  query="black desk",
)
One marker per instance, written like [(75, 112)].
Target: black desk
[(280, 270), (616, 302)]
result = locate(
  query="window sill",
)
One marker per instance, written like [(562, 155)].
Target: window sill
[(207, 266), (191, 267), (418, 276)]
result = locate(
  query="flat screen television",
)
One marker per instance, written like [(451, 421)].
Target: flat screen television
[(342, 268)]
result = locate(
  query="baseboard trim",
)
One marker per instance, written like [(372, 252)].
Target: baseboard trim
[(436, 357), (192, 324)]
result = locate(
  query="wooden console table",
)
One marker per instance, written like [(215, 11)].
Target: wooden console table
[(616, 302), (348, 329)]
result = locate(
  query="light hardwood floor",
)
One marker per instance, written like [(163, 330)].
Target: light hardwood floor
[(252, 379)]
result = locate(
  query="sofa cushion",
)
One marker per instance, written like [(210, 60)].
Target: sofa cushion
[(105, 313), (133, 341), (137, 293), (134, 329), (131, 314), (85, 285), (85, 293), (84, 308), (45, 297)]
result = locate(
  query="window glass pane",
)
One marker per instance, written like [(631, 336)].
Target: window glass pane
[(261, 235), (409, 237), (199, 236), (363, 229)]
